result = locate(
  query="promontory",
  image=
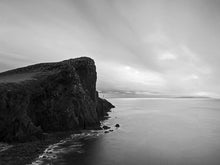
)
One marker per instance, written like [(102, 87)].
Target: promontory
[(50, 97)]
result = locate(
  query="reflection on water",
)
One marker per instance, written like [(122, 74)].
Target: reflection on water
[(152, 132)]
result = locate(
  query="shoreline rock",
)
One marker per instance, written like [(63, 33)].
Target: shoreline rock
[(27, 152), (50, 97), (117, 125), (105, 127)]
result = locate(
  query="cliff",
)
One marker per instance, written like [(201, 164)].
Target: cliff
[(49, 97)]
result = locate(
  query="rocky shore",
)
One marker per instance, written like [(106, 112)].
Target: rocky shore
[(26, 152), (39, 101), (49, 97)]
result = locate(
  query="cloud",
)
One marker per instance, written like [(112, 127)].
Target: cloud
[(138, 80), (145, 45), (167, 56)]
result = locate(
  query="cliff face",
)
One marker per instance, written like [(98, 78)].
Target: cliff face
[(49, 97)]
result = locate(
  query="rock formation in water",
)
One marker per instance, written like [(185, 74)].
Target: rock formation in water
[(50, 97)]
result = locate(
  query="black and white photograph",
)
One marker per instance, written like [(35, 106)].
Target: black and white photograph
[(109, 82)]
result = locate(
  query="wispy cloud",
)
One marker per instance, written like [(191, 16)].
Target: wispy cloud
[(165, 46)]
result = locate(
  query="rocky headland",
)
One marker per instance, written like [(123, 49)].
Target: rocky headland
[(50, 97)]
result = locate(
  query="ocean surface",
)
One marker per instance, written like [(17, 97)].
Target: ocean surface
[(151, 132)]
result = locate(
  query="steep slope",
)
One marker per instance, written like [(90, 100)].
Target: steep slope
[(49, 97)]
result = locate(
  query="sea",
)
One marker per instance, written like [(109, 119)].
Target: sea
[(153, 131)]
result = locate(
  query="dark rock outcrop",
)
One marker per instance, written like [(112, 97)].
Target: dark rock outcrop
[(106, 127), (117, 125), (50, 97)]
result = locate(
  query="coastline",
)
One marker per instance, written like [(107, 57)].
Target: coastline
[(25, 153), (45, 103), (36, 152)]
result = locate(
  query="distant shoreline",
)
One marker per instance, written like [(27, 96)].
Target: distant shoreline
[(162, 98)]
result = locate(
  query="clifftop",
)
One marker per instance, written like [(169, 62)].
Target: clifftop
[(49, 97), (32, 71), (42, 67)]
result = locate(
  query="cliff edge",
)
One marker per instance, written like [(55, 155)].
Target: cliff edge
[(50, 97)]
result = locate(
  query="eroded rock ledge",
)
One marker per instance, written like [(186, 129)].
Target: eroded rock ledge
[(50, 97)]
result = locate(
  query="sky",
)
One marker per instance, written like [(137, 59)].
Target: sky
[(169, 47)]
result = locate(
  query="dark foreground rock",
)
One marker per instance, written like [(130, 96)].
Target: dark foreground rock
[(50, 97), (117, 125), (106, 127), (27, 152)]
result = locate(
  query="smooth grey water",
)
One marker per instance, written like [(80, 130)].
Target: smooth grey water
[(152, 132)]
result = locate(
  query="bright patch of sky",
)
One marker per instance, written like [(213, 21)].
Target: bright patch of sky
[(166, 46)]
